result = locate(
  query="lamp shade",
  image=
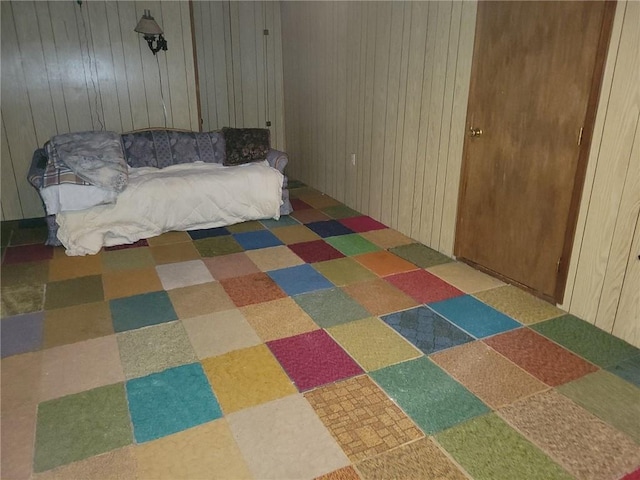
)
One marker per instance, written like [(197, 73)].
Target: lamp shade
[(147, 25)]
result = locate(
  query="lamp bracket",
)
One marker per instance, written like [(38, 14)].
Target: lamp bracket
[(160, 43)]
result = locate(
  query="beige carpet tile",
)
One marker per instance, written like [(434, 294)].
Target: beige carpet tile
[(126, 283), (127, 259), (464, 277), (77, 323), (217, 333), (20, 381), (319, 200), (379, 297), (493, 378), (285, 439), (387, 238), (373, 344), (421, 459), (118, 464), (279, 318), (251, 226), (274, 258), (362, 418), (344, 473), (582, 443), (206, 451), (251, 289), (309, 215), (230, 266), (174, 252), (74, 291), (19, 299), (80, 366), (32, 273), (245, 378), (295, 234), (17, 442), (608, 397), (200, 300), (344, 271), (384, 263), (519, 304), (154, 349), (64, 268), (183, 274), (169, 238), (220, 245), (303, 190)]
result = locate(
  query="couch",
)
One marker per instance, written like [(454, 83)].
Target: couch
[(104, 189)]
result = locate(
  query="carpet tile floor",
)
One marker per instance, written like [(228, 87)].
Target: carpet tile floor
[(323, 345)]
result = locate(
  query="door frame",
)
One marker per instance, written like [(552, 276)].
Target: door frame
[(581, 167)]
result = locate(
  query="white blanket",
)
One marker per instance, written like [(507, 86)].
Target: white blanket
[(180, 197)]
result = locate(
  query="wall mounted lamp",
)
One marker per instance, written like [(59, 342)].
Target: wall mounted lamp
[(152, 32)]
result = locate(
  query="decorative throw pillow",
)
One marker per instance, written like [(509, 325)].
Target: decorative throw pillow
[(244, 145)]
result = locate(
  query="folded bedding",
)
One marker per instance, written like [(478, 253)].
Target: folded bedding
[(203, 195), (95, 157)]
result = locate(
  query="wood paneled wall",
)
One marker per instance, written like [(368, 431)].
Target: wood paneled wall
[(67, 67), (604, 277), (387, 82), (240, 68)]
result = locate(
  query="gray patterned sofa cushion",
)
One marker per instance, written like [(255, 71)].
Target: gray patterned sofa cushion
[(161, 148)]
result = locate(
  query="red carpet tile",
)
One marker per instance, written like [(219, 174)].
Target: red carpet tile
[(635, 475), (27, 253), (316, 251), (423, 286), (298, 204), (313, 359), (139, 243), (540, 357), (362, 224)]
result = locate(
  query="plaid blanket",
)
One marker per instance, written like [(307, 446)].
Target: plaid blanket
[(43, 172)]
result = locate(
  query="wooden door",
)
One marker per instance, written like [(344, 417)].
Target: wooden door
[(535, 79)]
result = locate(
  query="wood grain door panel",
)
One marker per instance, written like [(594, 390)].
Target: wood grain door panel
[(532, 77)]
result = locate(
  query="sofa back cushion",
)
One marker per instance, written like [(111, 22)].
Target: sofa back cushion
[(161, 148)]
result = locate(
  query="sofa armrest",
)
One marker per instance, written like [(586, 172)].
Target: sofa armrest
[(277, 160), (37, 168)]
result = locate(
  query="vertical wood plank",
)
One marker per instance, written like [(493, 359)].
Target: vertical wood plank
[(422, 183), (20, 130), (51, 66), (598, 131), (417, 47), (611, 170), (380, 107), (101, 66), (621, 250), (435, 172), (446, 125), (458, 120), (118, 62), (190, 67), (11, 208), (402, 106), (176, 80), (392, 112), (626, 324), (132, 47), (37, 84)]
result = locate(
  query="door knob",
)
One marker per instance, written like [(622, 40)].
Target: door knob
[(475, 132)]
